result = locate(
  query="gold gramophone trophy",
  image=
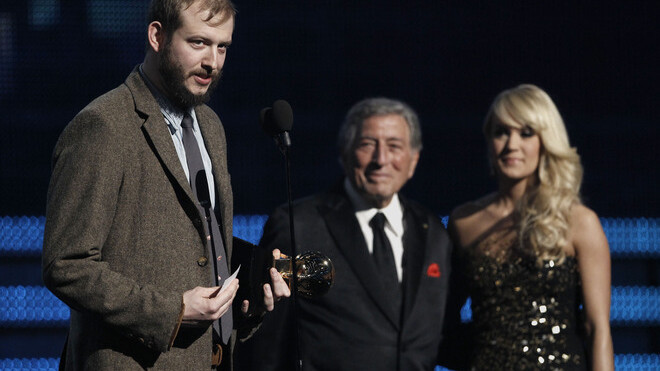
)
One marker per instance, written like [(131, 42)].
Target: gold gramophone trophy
[(314, 273)]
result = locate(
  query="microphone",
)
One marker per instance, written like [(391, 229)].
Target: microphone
[(277, 122), (311, 273)]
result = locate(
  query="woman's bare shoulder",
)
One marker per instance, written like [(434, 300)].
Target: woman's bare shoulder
[(583, 219), (586, 232), (472, 209), (470, 220)]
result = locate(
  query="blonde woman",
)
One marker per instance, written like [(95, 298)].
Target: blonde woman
[(534, 260)]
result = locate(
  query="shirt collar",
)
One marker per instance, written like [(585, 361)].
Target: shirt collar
[(393, 212)]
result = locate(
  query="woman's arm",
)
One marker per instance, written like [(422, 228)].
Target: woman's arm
[(593, 257)]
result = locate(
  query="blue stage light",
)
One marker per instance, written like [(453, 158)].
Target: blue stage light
[(628, 238), (21, 236), (31, 306), (636, 362), (249, 227), (466, 311), (29, 364)]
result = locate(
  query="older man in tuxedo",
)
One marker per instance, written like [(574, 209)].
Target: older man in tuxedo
[(391, 257)]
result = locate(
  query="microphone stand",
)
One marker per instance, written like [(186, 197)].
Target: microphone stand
[(284, 143)]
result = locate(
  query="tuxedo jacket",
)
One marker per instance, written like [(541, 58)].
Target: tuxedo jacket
[(124, 238), (354, 326)]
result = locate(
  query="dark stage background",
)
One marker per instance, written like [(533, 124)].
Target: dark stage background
[(598, 61)]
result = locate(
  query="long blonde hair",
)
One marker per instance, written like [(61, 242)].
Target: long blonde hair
[(542, 214)]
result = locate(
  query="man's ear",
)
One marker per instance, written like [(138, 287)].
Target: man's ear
[(156, 36)]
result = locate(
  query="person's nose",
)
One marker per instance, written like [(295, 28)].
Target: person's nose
[(513, 141), (380, 155), (211, 59)]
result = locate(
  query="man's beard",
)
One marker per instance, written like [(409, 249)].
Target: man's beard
[(174, 78)]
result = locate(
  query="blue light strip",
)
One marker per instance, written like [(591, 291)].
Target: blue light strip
[(249, 227), (31, 306), (635, 306), (35, 306), (21, 235), (633, 238), (636, 362), (29, 364), (628, 237), (622, 362)]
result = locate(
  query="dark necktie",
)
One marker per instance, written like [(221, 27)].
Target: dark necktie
[(200, 189), (384, 259)]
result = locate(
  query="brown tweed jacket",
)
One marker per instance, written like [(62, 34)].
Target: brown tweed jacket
[(123, 237)]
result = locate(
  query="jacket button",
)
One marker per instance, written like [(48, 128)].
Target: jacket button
[(197, 222), (202, 261)]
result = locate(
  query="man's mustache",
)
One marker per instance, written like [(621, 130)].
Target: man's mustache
[(204, 73)]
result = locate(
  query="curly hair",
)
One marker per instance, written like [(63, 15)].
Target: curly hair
[(542, 214)]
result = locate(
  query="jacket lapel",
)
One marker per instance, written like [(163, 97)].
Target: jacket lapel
[(157, 132), (414, 248), (350, 242)]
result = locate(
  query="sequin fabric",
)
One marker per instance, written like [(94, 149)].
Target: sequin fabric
[(525, 314)]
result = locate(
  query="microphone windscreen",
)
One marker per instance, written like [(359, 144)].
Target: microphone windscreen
[(282, 116), (262, 115), (266, 120)]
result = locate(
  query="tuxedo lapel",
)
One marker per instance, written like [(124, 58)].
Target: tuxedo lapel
[(414, 247), (340, 219)]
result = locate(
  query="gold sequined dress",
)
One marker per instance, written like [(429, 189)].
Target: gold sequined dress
[(525, 315)]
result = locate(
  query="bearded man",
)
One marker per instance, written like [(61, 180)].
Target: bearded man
[(138, 238)]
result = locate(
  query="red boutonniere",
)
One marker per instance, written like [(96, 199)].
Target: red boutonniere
[(433, 270)]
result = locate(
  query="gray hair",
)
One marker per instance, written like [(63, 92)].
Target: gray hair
[(376, 107)]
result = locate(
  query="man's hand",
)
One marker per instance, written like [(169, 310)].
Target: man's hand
[(271, 295), (206, 303)]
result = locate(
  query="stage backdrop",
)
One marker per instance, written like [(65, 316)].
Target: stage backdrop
[(447, 60)]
